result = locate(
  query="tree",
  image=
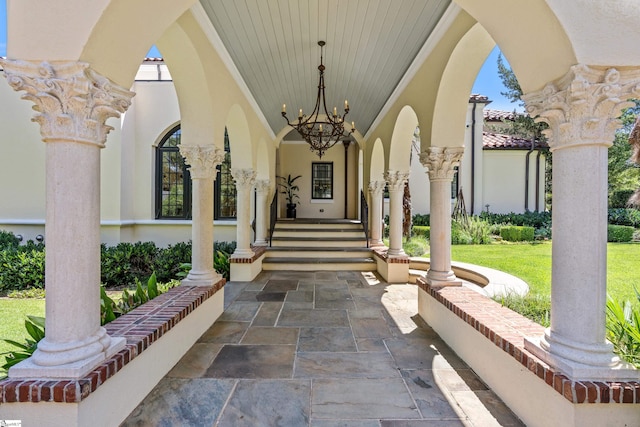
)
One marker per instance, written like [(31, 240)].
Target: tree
[(624, 175)]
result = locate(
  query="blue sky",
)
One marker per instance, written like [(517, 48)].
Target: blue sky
[(487, 83)]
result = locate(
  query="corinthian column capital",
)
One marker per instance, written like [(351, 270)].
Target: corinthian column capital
[(376, 188), (244, 178), (441, 162), (262, 186), (203, 160), (583, 106), (396, 179), (73, 101)]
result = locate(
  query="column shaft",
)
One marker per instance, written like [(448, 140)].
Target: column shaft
[(581, 109), (440, 272), (73, 103), (262, 211), (203, 160), (375, 189), (245, 179), (396, 181)]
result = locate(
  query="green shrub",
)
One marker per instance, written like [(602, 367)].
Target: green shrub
[(470, 231), (531, 306), (459, 236), (620, 233), (125, 263), (623, 329), (35, 328), (416, 246), (628, 216), (421, 219), (8, 241), (513, 233), (169, 260), (226, 247), (529, 219), (421, 231), (21, 269), (620, 198)]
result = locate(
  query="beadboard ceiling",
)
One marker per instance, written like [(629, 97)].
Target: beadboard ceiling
[(370, 44)]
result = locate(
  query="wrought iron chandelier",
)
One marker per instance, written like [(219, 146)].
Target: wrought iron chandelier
[(321, 131)]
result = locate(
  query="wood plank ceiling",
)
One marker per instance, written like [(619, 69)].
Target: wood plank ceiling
[(370, 45)]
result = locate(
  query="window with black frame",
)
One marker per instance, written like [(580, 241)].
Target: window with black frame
[(322, 180), (173, 182), (225, 187), (454, 183)]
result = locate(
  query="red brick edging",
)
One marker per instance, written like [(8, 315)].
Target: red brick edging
[(381, 252), (141, 327), (507, 329), (257, 253)]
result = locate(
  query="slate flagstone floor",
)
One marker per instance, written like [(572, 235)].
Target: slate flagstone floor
[(321, 349)]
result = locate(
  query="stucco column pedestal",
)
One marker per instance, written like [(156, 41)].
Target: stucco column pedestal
[(440, 163), (396, 181), (262, 191), (581, 110), (73, 103), (203, 160), (244, 179), (375, 189)]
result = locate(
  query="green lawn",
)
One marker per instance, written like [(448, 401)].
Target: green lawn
[(532, 263), (13, 312)]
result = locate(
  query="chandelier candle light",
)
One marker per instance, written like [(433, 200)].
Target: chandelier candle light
[(321, 132)]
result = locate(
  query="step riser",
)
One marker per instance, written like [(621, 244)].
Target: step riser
[(319, 267), (319, 233), (319, 226), (319, 243), (316, 254)]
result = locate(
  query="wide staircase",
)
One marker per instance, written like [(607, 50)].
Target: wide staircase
[(319, 244)]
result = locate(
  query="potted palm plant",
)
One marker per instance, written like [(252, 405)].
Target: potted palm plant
[(289, 189)]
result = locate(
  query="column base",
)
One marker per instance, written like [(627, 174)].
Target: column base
[(242, 253), (262, 242), (580, 361), (396, 253), (29, 369), (201, 278), (442, 278)]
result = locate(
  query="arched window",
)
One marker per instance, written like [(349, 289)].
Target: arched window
[(225, 188), (173, 182)]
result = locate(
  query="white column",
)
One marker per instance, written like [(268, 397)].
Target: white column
[(203, 160), (244, 179), (262, 211), (73, 103), (440, 163), (581, 109), (375, 189), (396, 181)]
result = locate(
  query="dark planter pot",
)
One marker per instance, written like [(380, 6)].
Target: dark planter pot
[(291, 210)]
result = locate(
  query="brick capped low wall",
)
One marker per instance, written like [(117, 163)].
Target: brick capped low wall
[(141, 327), (507, 330)]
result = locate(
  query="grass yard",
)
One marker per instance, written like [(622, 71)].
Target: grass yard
[(13, 313), (532, 263)]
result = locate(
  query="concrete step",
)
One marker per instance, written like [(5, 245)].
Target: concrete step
[(319, 224), (317, 242), (319, 264), (323, 252), (319, 232)]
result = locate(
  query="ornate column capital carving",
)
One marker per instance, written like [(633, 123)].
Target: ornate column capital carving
[(244, 178), (396, 179), (262, 186), (73, 101), (441, 161), (203, 160), (583, 106), (376, 188)]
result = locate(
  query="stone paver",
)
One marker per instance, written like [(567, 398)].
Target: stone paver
[(321, 349)]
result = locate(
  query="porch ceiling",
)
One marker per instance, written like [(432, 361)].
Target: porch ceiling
[(370, 46)]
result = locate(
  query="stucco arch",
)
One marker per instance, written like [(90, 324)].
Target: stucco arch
[(191, 85), (163, 133), (530, 36), (113, 36), (239, 138), (376, 170), (400, 147), (450, 112)]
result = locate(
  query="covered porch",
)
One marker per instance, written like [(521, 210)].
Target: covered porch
[(76, 63)]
